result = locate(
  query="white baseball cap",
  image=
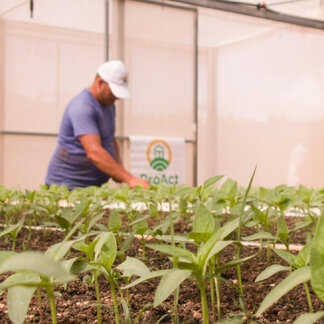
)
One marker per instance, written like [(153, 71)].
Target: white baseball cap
[(115, 74)]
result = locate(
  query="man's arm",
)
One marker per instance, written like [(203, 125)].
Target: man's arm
[(117, 152), (106, 163)]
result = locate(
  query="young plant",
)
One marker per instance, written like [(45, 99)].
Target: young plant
[(13, 232), (239, 232), (115, 225), (32, 270), (190, 265), (308, 265), (100, 257), (140, 228), (297, 263)]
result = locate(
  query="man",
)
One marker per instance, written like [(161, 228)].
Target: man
[(87, 152)]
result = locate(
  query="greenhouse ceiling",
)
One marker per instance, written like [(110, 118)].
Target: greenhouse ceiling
[(308, 13)]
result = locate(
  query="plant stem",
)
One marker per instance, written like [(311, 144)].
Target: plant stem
[(40, 305), (50, 295), (212, 294), (212, 282), (219, 314), (268, 254), (239, 274), (29, 229), (98, 298), (113, 292), (143, 246), (239, 232), (308, 297), (204, 302), (14, 244), (175, 261), (171, 223)]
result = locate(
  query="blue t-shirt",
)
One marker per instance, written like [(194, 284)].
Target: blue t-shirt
[(69, 164)]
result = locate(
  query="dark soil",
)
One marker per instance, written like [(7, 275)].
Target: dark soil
[(77, 303)]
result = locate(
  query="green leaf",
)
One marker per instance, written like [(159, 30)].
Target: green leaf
[(303, 257), (259, 236), (217, 248), (199, 237), (62, 222), (220, 234), (262, 217), (95, 220), (5, 255), (319, 234), (13, 229), (270, 271), (282, 230), (59, 250), (231, 226), (134, 267), (317, 271), (30, 279), (140, 224), (235, 262), (185, 191), (87, 249), (126, 243), (229, 185), (174, 251), (80, 209), (36, 262), (80, 267), (295, 278), (183, 205), (285, 255), (169, 282), (150, 276), (68, 264), (203, 221), (19, 297), (317, 260), (153, 210), (309, 318), (177, 238), (114, 222), (106, 248), (212, 180), (284, 203), (301, 225)]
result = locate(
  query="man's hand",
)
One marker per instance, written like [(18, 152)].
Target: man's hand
[(133, 182), (106, 163)]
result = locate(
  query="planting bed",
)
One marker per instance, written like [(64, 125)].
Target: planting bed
[(77, 303), (250, 260)]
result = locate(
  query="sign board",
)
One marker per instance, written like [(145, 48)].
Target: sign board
[(158, 160)]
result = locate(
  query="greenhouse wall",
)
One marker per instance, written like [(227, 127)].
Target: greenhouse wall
[(260, 86)]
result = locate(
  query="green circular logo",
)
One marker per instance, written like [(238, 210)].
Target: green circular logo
[(159, 155)]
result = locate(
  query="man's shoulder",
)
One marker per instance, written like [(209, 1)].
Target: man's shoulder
[(81, 103), (83, 96)]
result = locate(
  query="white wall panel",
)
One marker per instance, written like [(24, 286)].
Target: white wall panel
[(266, 95), (30, 84), (25, 160)]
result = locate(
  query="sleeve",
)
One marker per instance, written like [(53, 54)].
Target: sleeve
[(84, 120)]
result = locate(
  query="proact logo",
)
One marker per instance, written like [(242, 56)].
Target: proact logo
[(159, 155)]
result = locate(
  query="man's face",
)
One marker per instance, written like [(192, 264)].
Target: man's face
[(106, 97)]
